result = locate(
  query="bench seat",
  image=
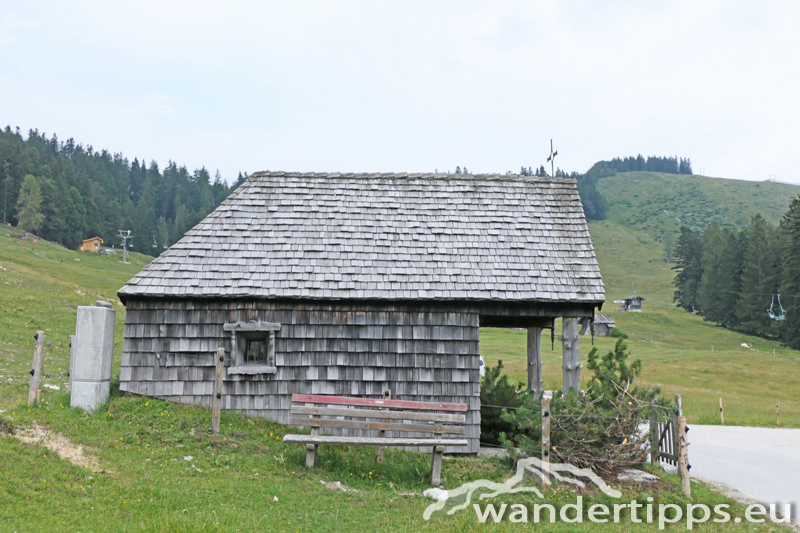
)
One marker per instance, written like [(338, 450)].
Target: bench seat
[(372, 441)]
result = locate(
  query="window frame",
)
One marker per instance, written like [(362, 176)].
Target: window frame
[(243, 333)]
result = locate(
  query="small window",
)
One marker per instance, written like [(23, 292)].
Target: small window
[(256, 353), (252, 347)]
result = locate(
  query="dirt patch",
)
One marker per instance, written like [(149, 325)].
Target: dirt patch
[(59, 444)]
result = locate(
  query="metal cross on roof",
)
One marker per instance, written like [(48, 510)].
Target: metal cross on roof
[(551, 160)]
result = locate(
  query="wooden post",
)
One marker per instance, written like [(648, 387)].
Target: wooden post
[(387, 395), (571, 359), (216, 399), (271, 349), (721, 413), (545, 443), (777, 412), (36, 371), (683, 457), (535, 362), (654, 432), (311, 449), (436, 465)]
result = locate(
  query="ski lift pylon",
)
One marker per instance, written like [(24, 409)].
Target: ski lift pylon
[(772, 315)]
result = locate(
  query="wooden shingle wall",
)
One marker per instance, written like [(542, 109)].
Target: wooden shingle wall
[(419, 353)]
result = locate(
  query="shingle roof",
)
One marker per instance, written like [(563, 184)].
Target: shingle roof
[(387, 237), (603, 319)]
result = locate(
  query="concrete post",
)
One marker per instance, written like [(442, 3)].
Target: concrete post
[(92, 350)]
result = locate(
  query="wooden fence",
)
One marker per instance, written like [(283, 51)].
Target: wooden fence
[(664, 436)]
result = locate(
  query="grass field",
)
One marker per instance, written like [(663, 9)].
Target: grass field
[(41, 287), (229, 484)]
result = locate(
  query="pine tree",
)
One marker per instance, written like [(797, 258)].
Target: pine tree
[(144, 228), (730, 274), (711, 282), (74, 218), (759, 278), (53, 209), (790, 283), (181, 223), (29, 205), (688, 263)]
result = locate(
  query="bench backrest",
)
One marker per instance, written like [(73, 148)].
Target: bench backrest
[(379, 414)]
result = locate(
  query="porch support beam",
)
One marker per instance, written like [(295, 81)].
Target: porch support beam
[(535, 362), (571, 365)]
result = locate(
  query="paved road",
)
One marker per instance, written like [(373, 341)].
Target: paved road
[(763, 463)]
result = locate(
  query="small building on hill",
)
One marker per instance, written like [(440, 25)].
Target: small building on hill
[(602, 325), (631, 303), (355, 284), (90, 245)]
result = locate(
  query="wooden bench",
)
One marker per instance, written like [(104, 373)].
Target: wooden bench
[(378, 414)]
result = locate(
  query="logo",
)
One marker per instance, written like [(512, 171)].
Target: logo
[(533, 468)]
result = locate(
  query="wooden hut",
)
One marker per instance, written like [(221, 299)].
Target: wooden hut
[(90, 245), (631, 303), (353, 284), (602, 325)]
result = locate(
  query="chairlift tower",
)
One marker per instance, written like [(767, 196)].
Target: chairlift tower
[(125, 235)]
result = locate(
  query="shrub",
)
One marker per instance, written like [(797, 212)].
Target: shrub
[(497, 391), (598, 429), (617, 333)]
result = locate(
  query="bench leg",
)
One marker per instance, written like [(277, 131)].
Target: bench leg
[(436, 466), (311, 450), (311, 455), (379, 451)]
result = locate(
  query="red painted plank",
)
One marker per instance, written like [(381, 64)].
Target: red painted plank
[(369, 402)]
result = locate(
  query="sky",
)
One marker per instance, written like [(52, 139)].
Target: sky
[(411, 86)]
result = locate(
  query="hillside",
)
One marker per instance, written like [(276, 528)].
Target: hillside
[(661, 203), (41, 286)]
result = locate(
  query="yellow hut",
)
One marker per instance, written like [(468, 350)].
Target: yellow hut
[(90, 245)]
